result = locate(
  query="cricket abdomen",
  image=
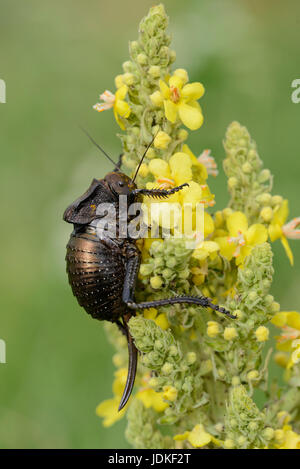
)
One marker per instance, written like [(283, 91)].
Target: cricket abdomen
[(96, 275)]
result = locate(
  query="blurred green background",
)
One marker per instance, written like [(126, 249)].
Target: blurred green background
[(56, 57)]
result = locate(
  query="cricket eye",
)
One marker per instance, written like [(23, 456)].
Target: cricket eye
[(121, 184)]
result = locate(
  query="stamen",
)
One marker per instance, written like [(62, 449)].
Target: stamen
[(289, 230), (209, 162), (175, 94)]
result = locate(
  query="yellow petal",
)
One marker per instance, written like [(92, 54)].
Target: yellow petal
[(205, 249), (170, 111), (182, 74), (193, 91), (202, 169), (181, 165), (153, 399), (164, 89), (206, 225), (287, 249), (159, 168), (190, 116), (293, 319), (192, 194), (245, 251), (236, 222), (282, 213), (108, 410), (181, 437), (162, 321), (198, 437), (176, 82), (284, 346), (122, 108), (275, 231), (291, 439), (256, 234), (226, 249), (150, 313), (121, 92), (118, 119), (279, 319)]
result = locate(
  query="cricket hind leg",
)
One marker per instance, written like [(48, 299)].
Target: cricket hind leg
[(132, 361), (128, 297), (195, 300)]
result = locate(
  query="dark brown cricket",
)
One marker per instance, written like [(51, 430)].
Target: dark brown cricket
[(102, 270)]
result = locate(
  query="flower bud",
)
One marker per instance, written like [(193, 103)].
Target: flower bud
[(232, 182), (182, 74), (277, 200), (156, 282), (213, 329), (162, 140), (264, 199), (191, 358), (230, 333), (268, 433), (229, 444), (247, 168), (154, 71), (252, 375), (266, 214), (119, 81), (262, 334), (183, 134), (167, 368), (128, 79), (142, 58), (157, 98), (264, 176)]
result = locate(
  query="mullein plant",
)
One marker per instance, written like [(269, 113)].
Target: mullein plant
[(198, 370)]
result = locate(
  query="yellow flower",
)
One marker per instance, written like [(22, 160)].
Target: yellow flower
[(181, 168), (198, 167), (279, 230), (117, 102), (289, 340), (170, 393), (241, 238), (153, 399), (198, 437), (206, 249), (108, 409), (159, 168), (180, 99), (287, 438)]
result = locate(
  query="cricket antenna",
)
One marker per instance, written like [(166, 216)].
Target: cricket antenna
[(137, 169), (98, 146)]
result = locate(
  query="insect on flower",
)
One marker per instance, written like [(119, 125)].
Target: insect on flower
[(103, 270)]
